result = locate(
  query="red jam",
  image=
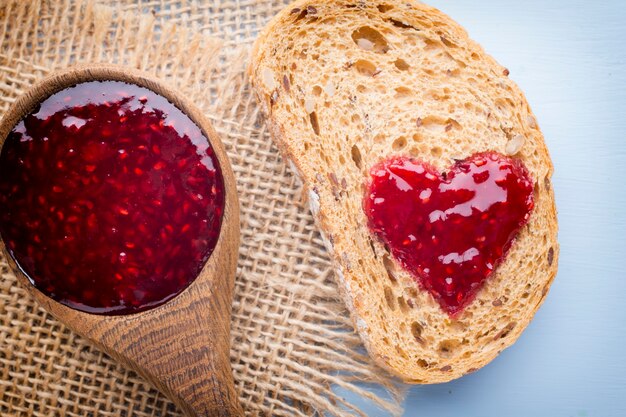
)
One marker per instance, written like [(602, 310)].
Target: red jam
[(449, 230), (111, 199)]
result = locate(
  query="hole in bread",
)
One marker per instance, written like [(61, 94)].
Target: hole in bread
[(384, 8), (430, 45), (370, 39), (446, 348), (401, 64), (452, 124), (486, 333), (401, 352), (475, 56), (422, 363), (436, 151), (390, 299), (317, 90), (356, 156), (525, 295), (365, 67), (504, 107), (411, 292), (416, 331), (361, 88), (403, 305), (437, 95), (550, 256), (457, 326), (504, 332), (438, 124), (403, 92), (400, 24), (391, 270), (448, 42), (314, 123), (399, 143), (536, 191), (373, 248), (546, 182)]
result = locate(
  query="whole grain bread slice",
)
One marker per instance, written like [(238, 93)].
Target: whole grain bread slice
[(345, 84)]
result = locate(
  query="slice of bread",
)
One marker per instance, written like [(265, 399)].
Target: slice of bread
[(345, 84)]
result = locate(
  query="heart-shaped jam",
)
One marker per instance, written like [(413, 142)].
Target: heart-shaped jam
[(111, 198), (450, 230)]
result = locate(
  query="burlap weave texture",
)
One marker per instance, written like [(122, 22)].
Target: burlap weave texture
[(292, 339)]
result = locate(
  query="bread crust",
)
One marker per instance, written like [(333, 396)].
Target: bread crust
[(402, 78)]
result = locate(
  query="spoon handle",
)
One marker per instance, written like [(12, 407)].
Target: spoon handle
[(189, 362), (183, 349)]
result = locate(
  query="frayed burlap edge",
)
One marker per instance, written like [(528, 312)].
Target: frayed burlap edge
[(294, 352)]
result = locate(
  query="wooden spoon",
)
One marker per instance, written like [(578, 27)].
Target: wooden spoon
[(182, 346)]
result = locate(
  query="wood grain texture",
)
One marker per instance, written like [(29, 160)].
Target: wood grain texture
[(181, 347)]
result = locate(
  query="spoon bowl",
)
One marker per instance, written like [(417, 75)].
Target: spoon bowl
[(181, 346)]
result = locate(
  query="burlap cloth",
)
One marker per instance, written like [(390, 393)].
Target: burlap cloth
[(294, 351)]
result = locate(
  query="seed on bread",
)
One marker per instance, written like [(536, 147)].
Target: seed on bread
[(514, 145)]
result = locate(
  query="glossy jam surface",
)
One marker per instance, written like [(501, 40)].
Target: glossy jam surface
[(449, 230), (111, 199)]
